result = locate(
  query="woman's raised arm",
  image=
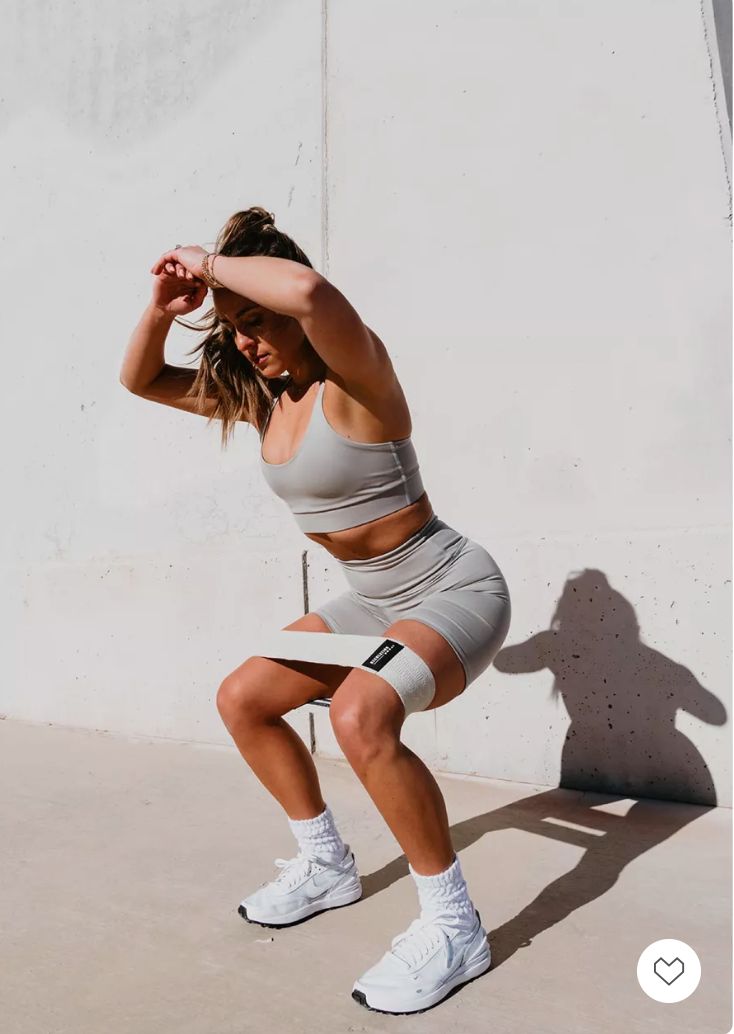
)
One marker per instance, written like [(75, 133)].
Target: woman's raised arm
[(278, 284), (144, 372), (144, 357)]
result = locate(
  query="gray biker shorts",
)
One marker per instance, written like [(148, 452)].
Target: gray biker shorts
[(439, 577)]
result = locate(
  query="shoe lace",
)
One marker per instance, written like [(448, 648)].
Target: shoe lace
[(418, 941), (293, 868)]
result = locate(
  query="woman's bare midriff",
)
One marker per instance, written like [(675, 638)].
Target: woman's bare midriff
[(379, 536)]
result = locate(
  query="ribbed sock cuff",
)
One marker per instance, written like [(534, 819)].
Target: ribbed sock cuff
[(317, 824), (444, 893), (439, 879), (319, 835)]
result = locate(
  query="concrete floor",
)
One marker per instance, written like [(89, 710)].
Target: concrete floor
[(123, 862)]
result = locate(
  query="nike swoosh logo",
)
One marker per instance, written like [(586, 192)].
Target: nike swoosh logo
[(454, 959), (318, 892)]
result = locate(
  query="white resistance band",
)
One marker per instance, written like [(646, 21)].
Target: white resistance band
[(393, 661)]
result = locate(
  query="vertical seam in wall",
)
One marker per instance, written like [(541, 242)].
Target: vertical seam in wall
[(717, 110), (313, 744), (324, 138), (304, 580)]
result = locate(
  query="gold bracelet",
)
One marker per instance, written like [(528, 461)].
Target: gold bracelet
[(206, 270)]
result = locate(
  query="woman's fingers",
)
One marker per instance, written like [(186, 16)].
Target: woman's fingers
[(167, 263), (166, 257), (168, 266)]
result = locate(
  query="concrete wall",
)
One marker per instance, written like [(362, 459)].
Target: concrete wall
[(530, 203), (723, 35)]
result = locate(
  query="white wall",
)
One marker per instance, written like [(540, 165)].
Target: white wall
[(139, 557), (530, 203)]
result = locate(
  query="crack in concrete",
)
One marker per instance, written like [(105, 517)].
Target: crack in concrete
[(717, 110), (324, 139)]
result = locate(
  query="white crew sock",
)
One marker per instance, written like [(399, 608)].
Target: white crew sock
[(445, 893), (319, 836)]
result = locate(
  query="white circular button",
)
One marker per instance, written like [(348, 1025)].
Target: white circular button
[(669, 970)]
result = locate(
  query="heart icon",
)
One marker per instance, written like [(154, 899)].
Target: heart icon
[(668, 971)]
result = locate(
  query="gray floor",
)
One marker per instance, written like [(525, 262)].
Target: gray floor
[(123, 863)]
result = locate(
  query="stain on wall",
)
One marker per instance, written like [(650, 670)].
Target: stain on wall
[(119, 72)]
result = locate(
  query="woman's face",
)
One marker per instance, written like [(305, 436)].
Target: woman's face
[(269, 340)]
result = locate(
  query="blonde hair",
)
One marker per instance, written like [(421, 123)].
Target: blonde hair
[(240, 390)]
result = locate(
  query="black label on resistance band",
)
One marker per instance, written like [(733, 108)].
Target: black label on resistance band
[(382, 654)]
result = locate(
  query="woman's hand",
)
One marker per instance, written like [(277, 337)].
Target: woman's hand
[(190, 258), (176, 290)]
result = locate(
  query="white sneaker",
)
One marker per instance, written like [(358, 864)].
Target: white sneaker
[(307, 885), (425, 962)]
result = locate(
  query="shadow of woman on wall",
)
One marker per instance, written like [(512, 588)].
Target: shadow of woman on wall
[(621, 696)]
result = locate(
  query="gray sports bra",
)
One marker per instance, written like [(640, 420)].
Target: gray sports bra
[(334, 483)]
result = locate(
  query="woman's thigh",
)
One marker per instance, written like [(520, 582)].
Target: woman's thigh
[(469, 606), (467, 602), (266, 687)]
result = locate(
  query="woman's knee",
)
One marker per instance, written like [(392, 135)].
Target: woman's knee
[(241, 697), (366, 725)]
